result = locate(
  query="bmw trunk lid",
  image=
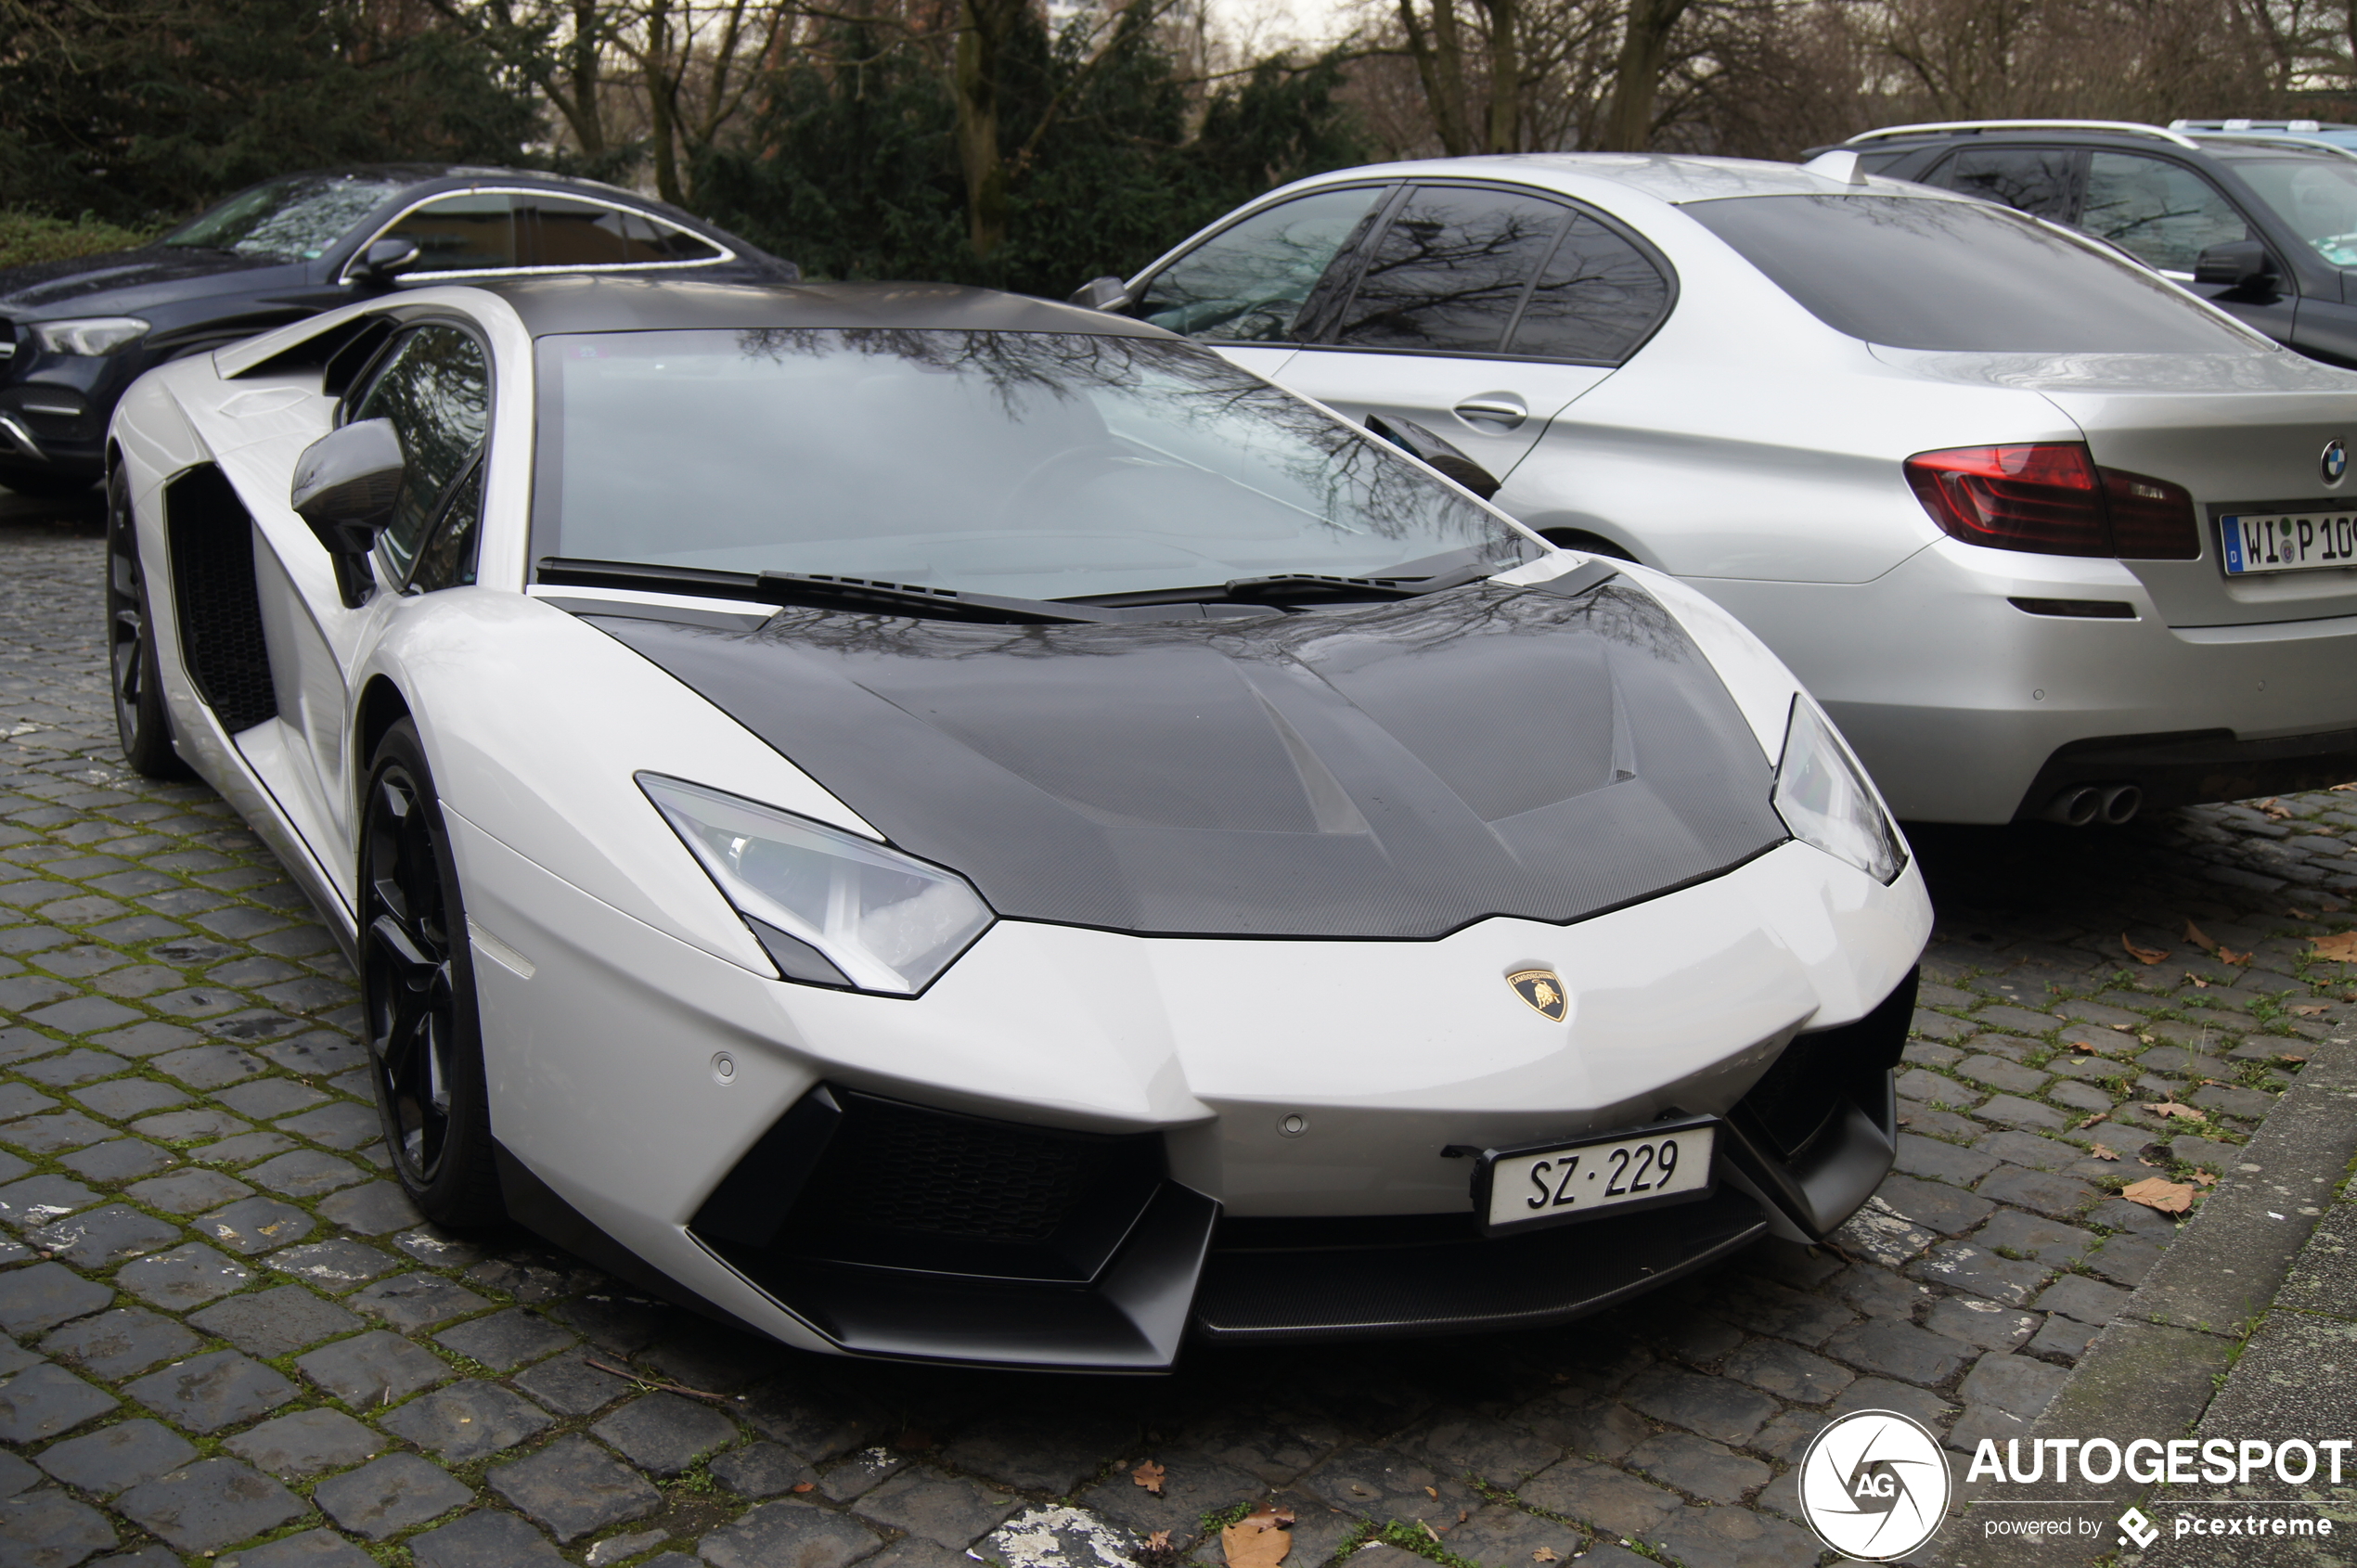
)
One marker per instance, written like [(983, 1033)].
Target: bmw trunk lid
[(2248, 436)]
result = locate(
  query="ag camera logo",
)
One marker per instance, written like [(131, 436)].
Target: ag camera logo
[(1874, 1485)]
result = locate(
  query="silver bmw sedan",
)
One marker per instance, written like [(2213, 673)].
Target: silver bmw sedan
[(2048, 535)]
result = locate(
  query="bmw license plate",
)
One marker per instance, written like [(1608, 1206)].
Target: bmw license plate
[(2286, 541), (1523, 1187)]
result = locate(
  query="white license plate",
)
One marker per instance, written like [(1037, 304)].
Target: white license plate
[(2278, 541), (1581, 1178)]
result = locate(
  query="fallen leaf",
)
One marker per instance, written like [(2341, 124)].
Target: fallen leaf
[(2341, 946), (1904, 1122), (2148, 1039), (1149, 1475), (1544, 1554), (2309, 1009), (2168, 1196), (2274, 809), (2286, 1056), (2098, 1116), (2205, 1178), (1158, 1541), (2200, 983), (2102, 1151), (2170, 1108), (1259, 1540), (2300, 914), (2228, 955), (1428, 1529), (1463, 1514), (2082, 1046), (1433, 1491), (2194, 935), (2147, 1163), (806, 1485), (2144, 954), (2124, 1028)]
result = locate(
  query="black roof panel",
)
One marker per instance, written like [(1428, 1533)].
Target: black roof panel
[(578, 303)]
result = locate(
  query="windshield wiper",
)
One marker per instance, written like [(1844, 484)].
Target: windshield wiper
[(1299, 589), (797, 590)]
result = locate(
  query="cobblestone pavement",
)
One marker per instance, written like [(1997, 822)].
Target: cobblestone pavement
[(230, 1339)]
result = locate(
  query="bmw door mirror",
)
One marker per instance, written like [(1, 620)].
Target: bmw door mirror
[(1435, 452), (388, 259), (1101, 293), (345, 487), (2239, 263)]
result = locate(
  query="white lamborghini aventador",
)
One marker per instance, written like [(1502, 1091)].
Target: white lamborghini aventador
[(937, 825)]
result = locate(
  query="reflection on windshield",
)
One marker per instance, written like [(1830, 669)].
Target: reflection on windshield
[(292, 220), (2316, 196), (1032, 465)]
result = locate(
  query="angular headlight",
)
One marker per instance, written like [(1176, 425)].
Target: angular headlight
[(90, 336), (1824, 798), (830, 908)]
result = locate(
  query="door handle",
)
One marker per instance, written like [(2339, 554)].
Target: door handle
[(1500, 409)]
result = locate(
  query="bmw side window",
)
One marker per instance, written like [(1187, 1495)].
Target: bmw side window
[(469, 232), (569, 232), (1596, 300), (1451, 271), (436, 389), (2043, 182), (2158, 211), (1248, 283), (448, 560)]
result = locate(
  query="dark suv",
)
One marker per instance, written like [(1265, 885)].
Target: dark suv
[(2265, 226), (75, 335)]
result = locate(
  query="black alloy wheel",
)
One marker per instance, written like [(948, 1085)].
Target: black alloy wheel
[(417, 978), (141, 721)]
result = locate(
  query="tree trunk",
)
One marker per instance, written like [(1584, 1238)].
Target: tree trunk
[(581, 108), (1644, 49), (1505, 76), (662, 130), (985, 26), (1440, 70)]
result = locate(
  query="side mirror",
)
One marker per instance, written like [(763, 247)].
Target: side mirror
[(1101, 293), (2238, 264), (388, 259), (345, 485), (1435, 452)]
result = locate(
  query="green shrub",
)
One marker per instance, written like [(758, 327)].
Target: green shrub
[(27, 237)]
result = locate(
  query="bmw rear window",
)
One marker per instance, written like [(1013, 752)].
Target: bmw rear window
[(1914, 273)]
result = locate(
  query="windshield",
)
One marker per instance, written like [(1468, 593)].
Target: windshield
[(290, 220), (1031, 465), (1914, 273), (2316, 196)]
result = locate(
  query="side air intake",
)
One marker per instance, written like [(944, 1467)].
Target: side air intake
[(220, 609)]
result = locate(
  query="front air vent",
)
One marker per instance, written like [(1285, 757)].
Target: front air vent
[(213, 594), (1821, 1072)]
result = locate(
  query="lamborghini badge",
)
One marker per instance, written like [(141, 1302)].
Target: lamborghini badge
[(1542, 989)]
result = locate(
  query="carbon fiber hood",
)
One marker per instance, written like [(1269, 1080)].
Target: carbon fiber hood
[(1396, 770)]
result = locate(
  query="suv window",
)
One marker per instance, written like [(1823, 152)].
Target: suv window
[(2158, 209), (469, 232), (1597, 298), (2039, 181), (1450, 271), (570, 233), (436, 389), (1929, 273), (2316, 196), (1246, 283)]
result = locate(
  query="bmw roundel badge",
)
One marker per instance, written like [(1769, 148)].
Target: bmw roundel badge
[(1543, 989), (2335, 462)]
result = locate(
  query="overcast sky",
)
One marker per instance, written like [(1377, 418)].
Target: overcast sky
[(1266, 24)]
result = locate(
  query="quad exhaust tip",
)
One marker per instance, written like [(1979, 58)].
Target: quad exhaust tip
[(2084, 805)]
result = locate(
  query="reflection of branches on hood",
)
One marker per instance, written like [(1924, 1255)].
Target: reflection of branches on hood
[(1361, 485)]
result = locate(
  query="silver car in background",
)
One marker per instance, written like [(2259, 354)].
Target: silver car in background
[(2045, 534)]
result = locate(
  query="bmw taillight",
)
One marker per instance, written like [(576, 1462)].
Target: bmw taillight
[(2050, 497)]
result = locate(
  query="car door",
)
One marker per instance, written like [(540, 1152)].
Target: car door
[(1244, 291), (1480, 313), (433, 381)]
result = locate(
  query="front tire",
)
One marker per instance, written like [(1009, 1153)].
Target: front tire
[(417, 978), (141, 721)]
